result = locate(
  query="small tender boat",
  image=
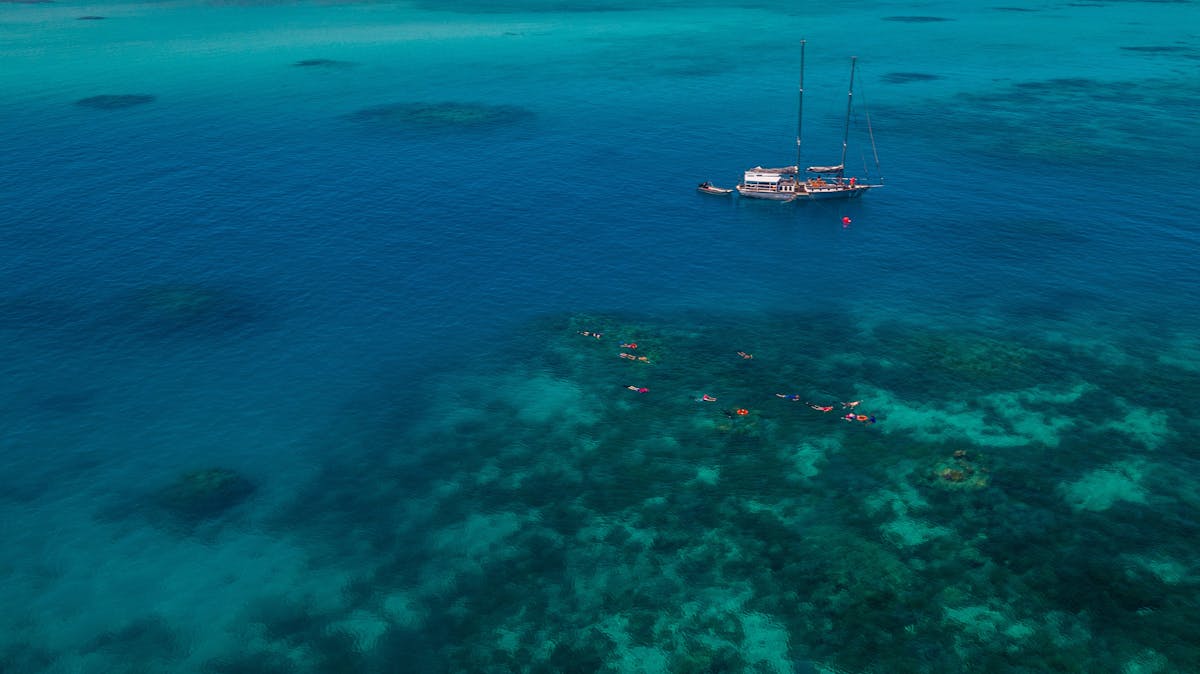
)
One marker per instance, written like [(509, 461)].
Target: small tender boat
[(708, 188)]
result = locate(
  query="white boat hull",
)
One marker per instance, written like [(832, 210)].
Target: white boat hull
[(771, 196), (808, 194), (838, 192)]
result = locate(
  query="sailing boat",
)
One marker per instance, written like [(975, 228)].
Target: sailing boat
[(824, 182)]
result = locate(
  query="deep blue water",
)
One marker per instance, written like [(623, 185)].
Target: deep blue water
[(294, 382)]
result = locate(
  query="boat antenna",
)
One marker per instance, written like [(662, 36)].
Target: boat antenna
[(849, 107), (800, 106)]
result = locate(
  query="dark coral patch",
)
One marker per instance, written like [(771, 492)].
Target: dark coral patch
[(322, 63), (917, 19), (531, 6), (186, 309), (115, 101), (1157, 49), (442, 115), (1164, 49), (201, 495), (65, 402), (90, 18), (905, 78), (144, 640)]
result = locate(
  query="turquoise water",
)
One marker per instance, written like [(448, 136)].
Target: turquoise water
[(295, 383)]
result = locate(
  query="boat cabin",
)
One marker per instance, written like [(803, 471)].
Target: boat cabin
[(770, 181)]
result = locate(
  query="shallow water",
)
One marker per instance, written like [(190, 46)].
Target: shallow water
[(295, 383)]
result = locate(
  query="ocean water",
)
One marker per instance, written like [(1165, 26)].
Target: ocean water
[(294, 380)]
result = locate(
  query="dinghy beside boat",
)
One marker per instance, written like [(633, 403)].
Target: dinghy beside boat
[(709, 188)]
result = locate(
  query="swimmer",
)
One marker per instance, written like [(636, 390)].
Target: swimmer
[(820, 408), (586, 333), (627, 356), (745, 355), (631, 345), (852, 404), (794, 397), (849, 416), (707, 398), (639, 389)]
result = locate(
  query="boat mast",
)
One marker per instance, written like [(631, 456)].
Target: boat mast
[(849, 106), (800, 106)]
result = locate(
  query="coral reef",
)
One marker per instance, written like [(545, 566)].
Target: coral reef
[(972, 359), (905, 78), (441, 116), (203, 494), (1103, 487), (323, 63), (115, 101), (185, 308), (961, 472), (917, 19), (577, 524)]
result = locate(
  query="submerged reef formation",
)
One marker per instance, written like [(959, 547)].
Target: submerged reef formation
[(905, 78), (1057, 120), (917, 19), (1190, 52), (969, 359), (961, 472), (441, 116), (205, 494), (115, 101), (323, 63), (185, 308), (531, 6), (580, 510)]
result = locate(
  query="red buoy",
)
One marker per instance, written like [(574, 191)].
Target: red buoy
[(846, 221)]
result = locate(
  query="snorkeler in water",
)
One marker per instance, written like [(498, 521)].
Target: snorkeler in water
[(794, 397), (819, 408)]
